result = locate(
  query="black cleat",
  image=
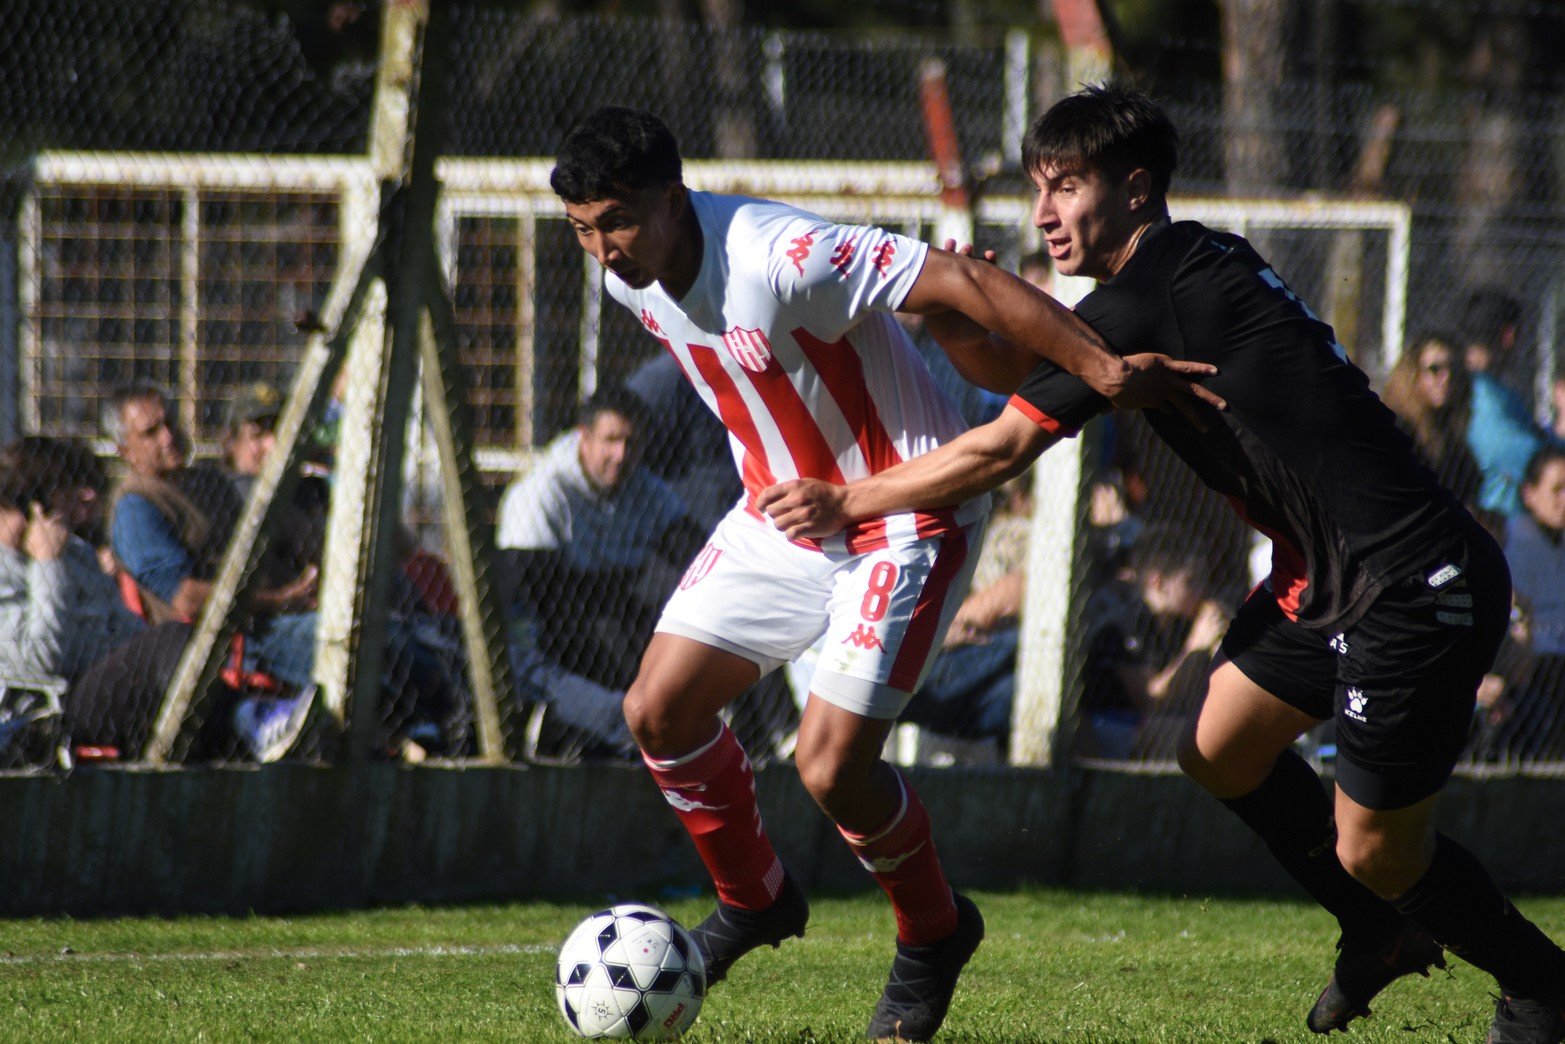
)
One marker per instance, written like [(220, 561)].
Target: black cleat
[(730, 932), (1518, 1020), (916, 997), (1361, 974)]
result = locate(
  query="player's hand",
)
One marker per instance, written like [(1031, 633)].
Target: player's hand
[(966, 250), (1155, 381), (805, 508), (46, 534)]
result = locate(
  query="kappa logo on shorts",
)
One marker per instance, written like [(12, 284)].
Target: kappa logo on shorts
[(864, 637), (701, 567), (1358, 704)]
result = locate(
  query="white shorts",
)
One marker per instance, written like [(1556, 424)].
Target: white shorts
[(880, 615)]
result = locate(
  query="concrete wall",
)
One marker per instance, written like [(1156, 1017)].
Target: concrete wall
[(291, 837)]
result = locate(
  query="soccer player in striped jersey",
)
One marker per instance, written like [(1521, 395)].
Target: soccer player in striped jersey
[(1386, 600), (782, 322)]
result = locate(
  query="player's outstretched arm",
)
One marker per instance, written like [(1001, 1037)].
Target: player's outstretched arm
[(976, 462), (1024, 315)]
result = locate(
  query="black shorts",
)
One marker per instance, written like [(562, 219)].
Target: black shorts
[(1401, 683)]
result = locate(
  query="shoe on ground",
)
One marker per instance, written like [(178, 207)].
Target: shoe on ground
[(269, 726), (730, 932), (1361, 973), (918, 993), (1520, 1020)]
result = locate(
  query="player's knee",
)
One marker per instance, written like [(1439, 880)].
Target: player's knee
[(828, 775), (1194, 763), (1373, 860), (648, 715)]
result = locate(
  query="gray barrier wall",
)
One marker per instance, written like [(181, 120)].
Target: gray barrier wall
[(293, 838)]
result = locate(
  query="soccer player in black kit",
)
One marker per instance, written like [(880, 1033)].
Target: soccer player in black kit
[(1386, 602)]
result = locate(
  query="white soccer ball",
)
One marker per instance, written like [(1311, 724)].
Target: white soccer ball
[(630, 972)]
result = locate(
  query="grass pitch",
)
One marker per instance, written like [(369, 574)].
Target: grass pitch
[(1056, 966)]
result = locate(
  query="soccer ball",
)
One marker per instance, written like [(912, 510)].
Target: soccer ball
[(630, 972)]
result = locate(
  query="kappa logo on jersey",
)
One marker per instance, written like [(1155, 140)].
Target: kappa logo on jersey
[(842, 257), (701, 567), (650, 322), (750, 348), (1358, 704), (864, 637), (801, 250), (884, 255)]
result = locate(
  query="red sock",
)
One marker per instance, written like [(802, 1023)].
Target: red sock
[(901, 857), (713, 793)]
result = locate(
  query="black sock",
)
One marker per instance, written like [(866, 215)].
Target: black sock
[(1292, 813), (1457, 902)]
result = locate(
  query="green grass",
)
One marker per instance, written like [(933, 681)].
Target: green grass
[(1057, 966)]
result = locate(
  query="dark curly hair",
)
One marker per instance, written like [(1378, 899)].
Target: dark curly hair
[(614, 149)]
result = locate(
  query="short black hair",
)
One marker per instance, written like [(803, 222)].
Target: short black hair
[(34, 468), (614, 149), (1105, 128), (1546, 455), (1488, 313), (614, 398)]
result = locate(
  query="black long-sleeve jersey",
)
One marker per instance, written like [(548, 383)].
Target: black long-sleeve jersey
[(1305, 452)]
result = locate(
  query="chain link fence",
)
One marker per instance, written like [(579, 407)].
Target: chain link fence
[(179, 247)]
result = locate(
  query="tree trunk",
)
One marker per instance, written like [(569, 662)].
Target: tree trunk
[(1255, 62), (1493, 178)]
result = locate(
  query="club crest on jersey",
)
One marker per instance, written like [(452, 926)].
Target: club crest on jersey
[(750, 348)]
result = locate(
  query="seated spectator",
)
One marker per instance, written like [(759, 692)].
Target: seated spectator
[(249, 432), (1534, 715), (1501, 433), (686, 445), (59, 611), (1150, 643), (1430, 391), (1112, 529), (170, 523), (969, 689), (592, 542)]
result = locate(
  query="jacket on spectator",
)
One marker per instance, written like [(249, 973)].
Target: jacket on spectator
[(166, 531), (58, 616)]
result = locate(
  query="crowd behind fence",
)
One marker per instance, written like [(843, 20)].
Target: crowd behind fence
[(168, 269)]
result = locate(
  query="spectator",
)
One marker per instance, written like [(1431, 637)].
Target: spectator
[(1430, 391), (58, 609), (969, 689), (170, 524), (1501, 434), (1113, 528), (1150, 642), (1535, 548), (249, 432), (686, 445), (588, 520)]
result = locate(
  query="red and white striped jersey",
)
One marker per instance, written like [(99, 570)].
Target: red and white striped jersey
[(787, 334)]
